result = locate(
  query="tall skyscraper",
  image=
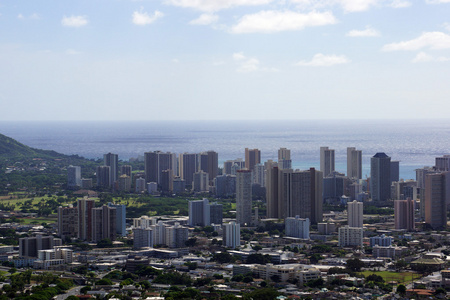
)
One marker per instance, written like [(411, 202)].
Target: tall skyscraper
[(112, 161), (442, 164), (350, 236), (215, 213), (73, 176), (380, 177), (199, 213), (29, 246), (252, 157), (232, 235), (121, 214), (272, 186), (395, 171), (355, 214), (167, 181), (259, 175), (156, 162), (334, 186), (85, 207), (68, 222), (437, 195), (225, 185), (326, 161), (104, 223), (300, 193), (244, 197), (209, 163), (284, 158), (103, 176), (404, 214), (127, 170), (227, 166), (200, 183), (188, 166), (354, 163)]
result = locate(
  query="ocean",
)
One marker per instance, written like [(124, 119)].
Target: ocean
[(415, 143)]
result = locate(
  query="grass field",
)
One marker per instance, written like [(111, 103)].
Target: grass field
[(400, 277)]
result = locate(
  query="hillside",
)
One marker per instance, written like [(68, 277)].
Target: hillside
[(10, 148)]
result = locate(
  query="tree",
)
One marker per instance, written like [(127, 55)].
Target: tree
[(105, 243), (401, 289), (262, 294), (191, 242), (355, 264)]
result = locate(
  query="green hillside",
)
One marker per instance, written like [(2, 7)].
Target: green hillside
[(10, 148)]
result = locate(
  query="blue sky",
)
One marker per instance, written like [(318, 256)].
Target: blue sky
[(224, 59)]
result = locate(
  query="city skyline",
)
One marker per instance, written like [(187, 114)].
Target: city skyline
[(319, 59)]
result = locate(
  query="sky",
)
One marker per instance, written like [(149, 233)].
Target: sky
[(224, 59)]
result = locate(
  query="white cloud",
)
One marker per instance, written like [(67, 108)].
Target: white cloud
[(433, 40), (72, 52), (437, 1), (321, 60), (276, 21), (249, 64), (175, 60), (400, 3), (74, 21), (424, 57), (446, 26), (215, 5), (143, 18), (357, 5), (33, 16), (205, 19), (368, 32), (349, 5)]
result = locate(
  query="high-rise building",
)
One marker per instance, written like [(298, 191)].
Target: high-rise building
[(259, 175), (380, 177), (225, 185), (104, 223), (244, 197), (272, 185), (326, 161), (334, 186), (355, 214), (437, 195), (350, 236), (297, 227), (68, 222), (176, 236), (215, 213), (230, 163), (121, 215), (199, 213), (200, 183), (167, 181), (85, 207), (156, 162), (252, 157), (142, 238), (29, 246), (382, 240), (300, 193), (112, 161), (124, 183), (209, 163), (140, 185), (188, 166), (404, 214), (420, 175), (159, 233), (103, 176), (442, 164), (127, 170), (354, 163), (232, 235), (395, 171), (179, 185), (73, 176), (284, 158)]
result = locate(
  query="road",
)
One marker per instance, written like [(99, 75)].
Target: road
[(72, 292)]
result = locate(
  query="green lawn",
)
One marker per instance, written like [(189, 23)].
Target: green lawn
[(400, 277)]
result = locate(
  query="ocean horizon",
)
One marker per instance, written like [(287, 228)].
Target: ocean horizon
[(415, 143)]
